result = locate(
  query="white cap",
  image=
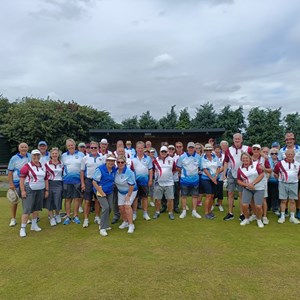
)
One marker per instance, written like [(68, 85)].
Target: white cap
[(208, 147), (35, 151), (104, 141), (256, 146), (191, 144), (81, 145), (164, 148), (171, 146)]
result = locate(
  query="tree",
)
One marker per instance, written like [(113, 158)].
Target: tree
[(4, 107), (31, 120), (231, 120), (131, 123), (264, 126), (292, 124), (184, 120), (146, 121), (205, 117), (170, 120)]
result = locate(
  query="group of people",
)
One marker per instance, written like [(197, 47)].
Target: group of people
[(266, 179)]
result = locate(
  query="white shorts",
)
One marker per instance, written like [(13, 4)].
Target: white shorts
[(121, 198)]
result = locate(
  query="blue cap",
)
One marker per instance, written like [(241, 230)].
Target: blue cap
[(42, 143), (275, 144)]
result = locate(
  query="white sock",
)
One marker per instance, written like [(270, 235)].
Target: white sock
[(292, 215), (33, 222), (23, 226), (158, 212), (282, 214)]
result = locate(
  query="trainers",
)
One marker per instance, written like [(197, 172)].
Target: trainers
[(76, 220), (108, 228), (265, 220), (156, 215), (67, 221), (52, 222), (58, 219), (171, 216), (183, 214), (124, 225), (260, 224), (195, 215), (221, 208), (281, 220), (103, 232), (252, 218), (35, 228), (13, 222), (228, 217), (80, 209), (85, 223), (245, 222), (212, 208), (131, 228), (277, 213), (29, 221), (294, 220), (134, 216), (22, 232), (242, 217), (146, 216), (152, 204), (209, 216), (97, 220)]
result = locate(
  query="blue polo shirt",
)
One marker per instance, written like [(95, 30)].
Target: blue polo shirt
[(72, 165), (124, 180)]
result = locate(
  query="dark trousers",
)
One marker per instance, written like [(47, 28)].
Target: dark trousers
[(115, 205), (273, 196)]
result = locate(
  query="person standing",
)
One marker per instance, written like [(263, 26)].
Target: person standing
[(174, 155), (142, 166), (71, 180), (103, 183), (129, 150), (14, 167), (189, 164), (34, 188), (45, 155), (232, 162)]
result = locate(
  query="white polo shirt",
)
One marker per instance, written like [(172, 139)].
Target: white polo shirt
[(164, 169)]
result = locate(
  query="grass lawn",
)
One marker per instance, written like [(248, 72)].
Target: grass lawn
[(163, 259)]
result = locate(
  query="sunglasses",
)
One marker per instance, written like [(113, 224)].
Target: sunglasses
[(274, 153), (255, 148), (94, 148), (178, 146), (121, 162), (163, 151), (172, 149)]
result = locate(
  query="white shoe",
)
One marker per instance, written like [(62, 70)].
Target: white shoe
[(281, 220), (22, 232), (85, 223), (260, 224), (58, 219), (252, 218), (80, 209), (183, 214), (245, 222), (221, 208), (146, 216), (97, 220), (134, 216), (131, 228), (29, 221), (294, 220), (13, 222), (152, 204), (108, 228), (212, 208), (52, 222), (195, 215), (265, 220), (124, 225), (35, 228), (103, 232)]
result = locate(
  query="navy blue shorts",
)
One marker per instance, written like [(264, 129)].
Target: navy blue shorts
[(209, 187)]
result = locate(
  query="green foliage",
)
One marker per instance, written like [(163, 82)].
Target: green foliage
[(264, 126), (184, 120), (131, 123), (231, 120), (205, 117), (4, 107), (33, 119), (293, 124), (146, 121), (170, 120)]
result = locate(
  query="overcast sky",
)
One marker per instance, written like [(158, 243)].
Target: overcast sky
[(129, 56)]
